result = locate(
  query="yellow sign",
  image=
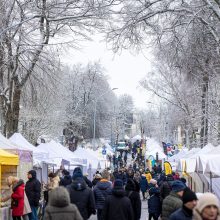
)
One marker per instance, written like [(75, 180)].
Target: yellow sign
[(167, 168)]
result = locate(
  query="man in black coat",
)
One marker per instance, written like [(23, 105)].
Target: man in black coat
[(134, 195), (118, 205), (33, 192), (66, 179), (189, 202), (81, 195)]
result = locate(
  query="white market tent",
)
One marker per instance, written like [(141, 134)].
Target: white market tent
[(38, 154), (178, 156), (161, 154), (135, 138)]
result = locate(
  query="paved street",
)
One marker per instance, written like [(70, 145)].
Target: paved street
[(144, 213)]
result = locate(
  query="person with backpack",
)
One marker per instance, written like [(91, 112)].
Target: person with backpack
[(118, 205), (166, 186), (154, 203), (143, 185), (133, 194), (102, 189)]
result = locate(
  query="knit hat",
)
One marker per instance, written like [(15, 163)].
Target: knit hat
[(178, 186), (118, 183), (188, 195), (205, 200), (153, 181)]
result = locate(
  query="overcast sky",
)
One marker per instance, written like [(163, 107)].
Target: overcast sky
[(125, 70)]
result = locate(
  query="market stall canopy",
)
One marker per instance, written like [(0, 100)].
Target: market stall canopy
[(8, 158), (38, 154), (178, 156), (161, 154), (126, 137), (135, 138), (153, 145)]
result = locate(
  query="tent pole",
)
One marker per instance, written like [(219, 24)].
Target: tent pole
[(211, 182)]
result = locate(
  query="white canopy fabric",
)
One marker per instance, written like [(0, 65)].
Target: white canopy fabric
[(152, 145), (191, 160), (92, 159), (39, 155), (135, 138), (161, 154), (178, 156), (203, 159)]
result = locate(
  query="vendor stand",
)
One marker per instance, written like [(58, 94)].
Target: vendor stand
[(8, 167)]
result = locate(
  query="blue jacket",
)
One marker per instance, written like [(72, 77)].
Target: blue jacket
[(101, 190), (182, 213), (154, 203), (143, 184)]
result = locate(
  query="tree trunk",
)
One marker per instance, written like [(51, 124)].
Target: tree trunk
[(204, 121), (12, 117)]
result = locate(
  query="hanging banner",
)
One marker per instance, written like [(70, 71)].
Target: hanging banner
[(167, 168)]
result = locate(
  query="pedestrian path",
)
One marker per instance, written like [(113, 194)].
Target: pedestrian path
[(144, 212)]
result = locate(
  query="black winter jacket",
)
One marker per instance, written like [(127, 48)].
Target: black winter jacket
[(154, 203), (82, 196), (101, 191), (33, 189), (117, 206), (66, 180), (182, 213)]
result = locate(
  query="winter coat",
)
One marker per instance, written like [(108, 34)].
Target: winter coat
[(170, 204), (165, 189), (102, 189), (143, 184), (33, 189), (182, 213), (82, 196), (88, 182), (121, 176), (66, 180), (134, 197), (59, 206), (154, 203), (117, 206), (18, 197), (53, 182), (197, 215)]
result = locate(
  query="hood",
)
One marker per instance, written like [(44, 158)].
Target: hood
[(59, 197), (79, 184), (154, 190), (130, 186), (33, 173), (118, 192), (19, 183), (103, 185)]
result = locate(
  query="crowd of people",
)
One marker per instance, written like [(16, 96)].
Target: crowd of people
[(111, 196)]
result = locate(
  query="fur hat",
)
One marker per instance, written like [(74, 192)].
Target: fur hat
[(77, 173), (205, 200), (188, 195), (178, 186)]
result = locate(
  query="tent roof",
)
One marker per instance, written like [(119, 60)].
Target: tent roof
[(19, 140), (161, 154), (8, 158)]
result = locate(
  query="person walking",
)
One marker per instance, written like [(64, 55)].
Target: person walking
[(154, 203), (33, 192), (143, 185), (66, 179), (189, 202), (134, 195), (166, 186), (17, 199), (81, 195), (207, 208), (174, 200), (59, 206), (118, 205), (102, 189)]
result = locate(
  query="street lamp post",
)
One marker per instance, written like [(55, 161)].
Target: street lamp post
[(94, 115)]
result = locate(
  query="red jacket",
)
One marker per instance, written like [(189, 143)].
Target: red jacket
[(18, 194)]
